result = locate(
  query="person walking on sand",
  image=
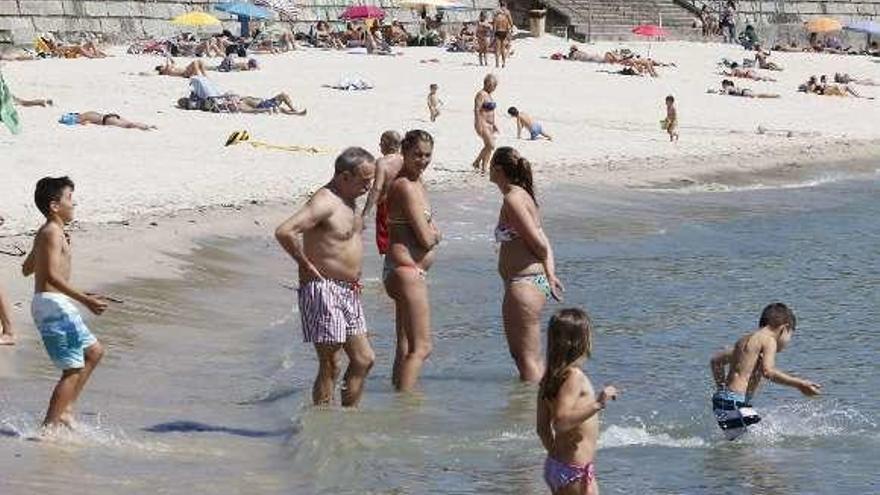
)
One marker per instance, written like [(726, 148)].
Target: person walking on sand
[(483, 35), (502, 23), (329, 258), (68, 341), (414, 239), (484, 122), (525, 261), (7, 331), (387, 169), (670, 123)]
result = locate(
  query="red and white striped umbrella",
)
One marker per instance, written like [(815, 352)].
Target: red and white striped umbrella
[(286, 9)]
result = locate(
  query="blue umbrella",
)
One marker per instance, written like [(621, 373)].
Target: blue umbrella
[(867, 27), (244, 9)]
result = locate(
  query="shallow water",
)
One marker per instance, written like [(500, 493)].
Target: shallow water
[(206, 383)]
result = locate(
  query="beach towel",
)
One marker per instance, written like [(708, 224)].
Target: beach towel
[(352, 83), (244, 137), (7, 109)]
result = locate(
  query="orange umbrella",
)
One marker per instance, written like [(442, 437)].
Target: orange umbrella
[(823, 25)]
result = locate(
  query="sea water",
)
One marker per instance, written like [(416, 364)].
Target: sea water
[(206, 385)]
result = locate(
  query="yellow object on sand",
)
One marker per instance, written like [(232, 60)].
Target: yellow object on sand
[(823, 25), (195, 19), (244, 137)]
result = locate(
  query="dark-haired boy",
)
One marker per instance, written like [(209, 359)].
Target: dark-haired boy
[(69, 343), (752, 358)]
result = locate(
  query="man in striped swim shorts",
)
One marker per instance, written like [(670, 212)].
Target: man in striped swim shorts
[(330, 257)]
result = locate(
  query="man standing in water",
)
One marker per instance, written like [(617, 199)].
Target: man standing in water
[(387, 169), (330, 258), (502, 23)]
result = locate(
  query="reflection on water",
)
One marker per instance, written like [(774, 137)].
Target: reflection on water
[(207, 371)]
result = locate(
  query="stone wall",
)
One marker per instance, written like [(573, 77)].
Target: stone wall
[(119, 20)]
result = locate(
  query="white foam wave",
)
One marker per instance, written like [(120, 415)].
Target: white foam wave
[(624, 436), (89, 432), (810, 420), (717, 187)]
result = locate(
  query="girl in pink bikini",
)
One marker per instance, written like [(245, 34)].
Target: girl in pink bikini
[(568, 409)]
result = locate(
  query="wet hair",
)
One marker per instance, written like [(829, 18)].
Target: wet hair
[(432, 87), (415, 136), (569, 338), (159, 69), (512, 111), (50, 189), (350, 159), (389, 142), (777, 314), (517, 169), (670, 99)]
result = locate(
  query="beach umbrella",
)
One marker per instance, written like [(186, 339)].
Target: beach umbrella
[(244, 9), (355, 12), (823, 25), (649, 31), (287, 10), (195, 19), (440, 4)]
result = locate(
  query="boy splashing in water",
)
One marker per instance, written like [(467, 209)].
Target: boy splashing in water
[(753, 357), (568, 409), (69, 343)]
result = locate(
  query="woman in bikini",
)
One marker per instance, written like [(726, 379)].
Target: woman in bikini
[(484, 122), (103, 119), (525, 262), (483, 34), (413, 238)]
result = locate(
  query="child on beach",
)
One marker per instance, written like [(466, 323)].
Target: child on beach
[(670, 123), (7, 333), (69, 343), (752, 358), (568, 421), (434, 102), (523, 120)]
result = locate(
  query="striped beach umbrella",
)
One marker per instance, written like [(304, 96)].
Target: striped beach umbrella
[(287, 9)]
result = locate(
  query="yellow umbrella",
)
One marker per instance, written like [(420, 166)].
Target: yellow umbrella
[(823, 25), (195, 19)]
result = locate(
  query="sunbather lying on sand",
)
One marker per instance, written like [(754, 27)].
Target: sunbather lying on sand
[(848, 79), (195, 68), (735, 71), (104, 119), (230, 64), (88, 49), (32, 103), (730, 89), (575, 54), (276, 104)]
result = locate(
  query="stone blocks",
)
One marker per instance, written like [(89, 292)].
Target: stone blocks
[(40, 7)]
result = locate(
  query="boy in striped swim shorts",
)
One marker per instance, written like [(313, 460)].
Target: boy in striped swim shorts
[(752, 358), (330, 257), (70, 345)]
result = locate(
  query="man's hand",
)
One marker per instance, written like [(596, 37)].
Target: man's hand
[(810, 389), (95, 304)]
